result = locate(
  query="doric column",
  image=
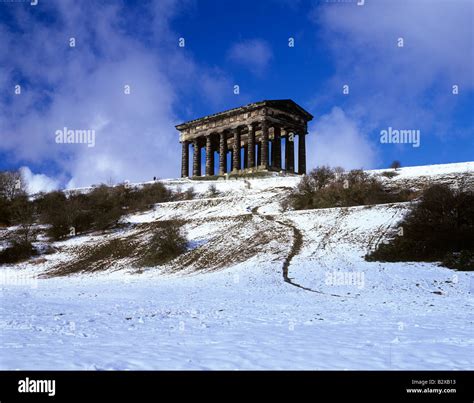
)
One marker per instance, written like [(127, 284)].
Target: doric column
[(185, 159), (222, 153), (277, 148), (271, 147), (302, 153), (264, 158), (196, 158), (236, 157), (251, 147), (290, 153), (209, 156)]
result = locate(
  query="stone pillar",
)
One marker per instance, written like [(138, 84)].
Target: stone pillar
[(196, 158), (289, 153), (222, 153), (209, 156), (277, 148), (236, 149), (302, 153), (271, 147), (185, 159), (251, 147), (264, 153)]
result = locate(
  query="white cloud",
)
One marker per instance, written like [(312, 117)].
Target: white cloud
[(82, 88), (36, 183), (407, 86), (254, 54), (337, 140)]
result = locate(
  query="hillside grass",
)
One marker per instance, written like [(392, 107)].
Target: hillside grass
[(155, 244)]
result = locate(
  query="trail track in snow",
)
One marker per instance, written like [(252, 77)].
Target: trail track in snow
[(297, 243)]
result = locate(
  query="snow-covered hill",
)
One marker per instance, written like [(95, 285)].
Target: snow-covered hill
[(259, 289)]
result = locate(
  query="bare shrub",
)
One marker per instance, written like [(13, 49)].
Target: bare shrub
[(189, 194), (389, 174), (17, 252), (11, 185), (212, 191), (62, 214), (167, 243), (395, 165)]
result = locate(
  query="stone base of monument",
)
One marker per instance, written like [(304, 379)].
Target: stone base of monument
[(255, 172)]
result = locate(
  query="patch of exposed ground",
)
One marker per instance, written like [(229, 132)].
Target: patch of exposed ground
[(114, 252), (247, 237)]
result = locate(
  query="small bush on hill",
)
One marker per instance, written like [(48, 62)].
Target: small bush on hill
[(212, 191), (166, 243), (389, 174), (440, 228), (395, 165), (463, 260), (60, 213), (17, 252), (103, 206), (188, 194)]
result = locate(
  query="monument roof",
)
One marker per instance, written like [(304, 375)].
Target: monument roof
[(284, 104)]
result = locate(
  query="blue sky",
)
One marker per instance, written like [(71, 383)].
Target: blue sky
[(244, 43)]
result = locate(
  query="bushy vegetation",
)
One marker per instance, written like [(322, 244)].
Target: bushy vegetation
[(16, 209), (188, 194), (389, 174), (167, 242), (12, 194), (212, 191), (395, 165), (326, 187), (74, 213), (17, 252), (440, 227), (99, 209)]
